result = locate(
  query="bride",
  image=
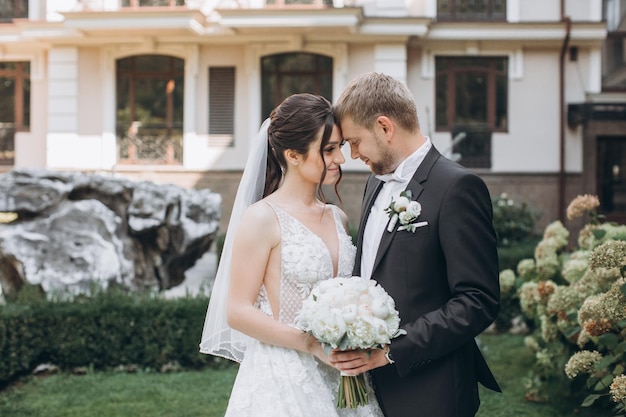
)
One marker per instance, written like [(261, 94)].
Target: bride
[(282, 239)]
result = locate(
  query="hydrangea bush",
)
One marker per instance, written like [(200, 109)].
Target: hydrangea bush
[(575, 300)]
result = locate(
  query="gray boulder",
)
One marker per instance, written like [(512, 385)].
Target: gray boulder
[(76, 230)]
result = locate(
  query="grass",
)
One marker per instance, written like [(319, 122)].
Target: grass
[(205, 393), (183, 394), (510, 361)]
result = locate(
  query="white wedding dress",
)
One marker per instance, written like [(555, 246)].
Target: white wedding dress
[(278, 382)]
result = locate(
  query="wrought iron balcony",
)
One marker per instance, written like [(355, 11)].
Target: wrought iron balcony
[(150, 144), (99, 5), (471, 10), (296, 3), (13, 9), (152, 3)]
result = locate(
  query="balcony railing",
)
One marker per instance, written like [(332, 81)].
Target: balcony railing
[(13, 9), (151, 144), (152, 3), (7, 144), (471, 10), (296, 3), (101, 5)]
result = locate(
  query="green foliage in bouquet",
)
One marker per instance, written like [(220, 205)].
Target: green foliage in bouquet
[(576, 300)]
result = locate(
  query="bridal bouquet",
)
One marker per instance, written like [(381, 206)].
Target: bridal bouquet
[(350, 313)]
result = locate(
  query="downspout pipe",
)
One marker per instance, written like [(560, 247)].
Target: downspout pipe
[(564, 48)]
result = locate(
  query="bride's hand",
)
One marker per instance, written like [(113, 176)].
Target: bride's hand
[(316, 349), (355, 362)]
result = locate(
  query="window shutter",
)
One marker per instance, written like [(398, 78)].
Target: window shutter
[(221, 100)]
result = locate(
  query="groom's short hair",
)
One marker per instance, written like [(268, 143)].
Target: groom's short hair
[(374, 94)]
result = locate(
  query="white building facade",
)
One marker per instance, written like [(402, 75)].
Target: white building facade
[(173, 90)]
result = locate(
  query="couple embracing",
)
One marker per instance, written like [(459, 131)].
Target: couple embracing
[(440, 266)]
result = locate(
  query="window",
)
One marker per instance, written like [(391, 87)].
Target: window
[(471, 91), (14, 106), (614, 48), (471, 98), (13, 9), (222, 101), (285, 74), (468, 10), (150, 109)]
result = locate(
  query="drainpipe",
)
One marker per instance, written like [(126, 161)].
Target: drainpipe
[(562, 120)]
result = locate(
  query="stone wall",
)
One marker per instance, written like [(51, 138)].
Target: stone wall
[(540, 191)]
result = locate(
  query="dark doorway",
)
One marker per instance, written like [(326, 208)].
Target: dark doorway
[(612, 177)]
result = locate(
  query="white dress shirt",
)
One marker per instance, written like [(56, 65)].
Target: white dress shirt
[(395, 183)]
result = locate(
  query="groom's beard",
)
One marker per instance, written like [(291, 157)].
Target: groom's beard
[(386, 162)]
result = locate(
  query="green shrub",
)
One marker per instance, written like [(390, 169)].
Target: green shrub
[(510, 256), (104, 331), (514, 222)]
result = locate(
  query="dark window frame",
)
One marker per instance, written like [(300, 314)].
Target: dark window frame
[(19, 102), (452, 73), (482, 110), (275, 69), (21, 106), (157, 139)]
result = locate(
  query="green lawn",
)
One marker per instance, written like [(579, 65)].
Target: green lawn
[(205, 393)]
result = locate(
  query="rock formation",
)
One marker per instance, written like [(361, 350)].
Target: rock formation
[(75, 230)]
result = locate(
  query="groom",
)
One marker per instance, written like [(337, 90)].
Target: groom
[(441, 270)]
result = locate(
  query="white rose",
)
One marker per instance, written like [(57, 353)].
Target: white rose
[(401, 204), (406, 217), (414, 209)]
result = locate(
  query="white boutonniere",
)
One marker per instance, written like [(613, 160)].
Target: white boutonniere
[(406, 211)]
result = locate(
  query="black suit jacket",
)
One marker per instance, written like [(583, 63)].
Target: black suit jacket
[(444, 280)]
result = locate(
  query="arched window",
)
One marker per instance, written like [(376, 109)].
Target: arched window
[(150, 109), (285, 74)]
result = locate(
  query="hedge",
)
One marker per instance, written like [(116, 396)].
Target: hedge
[(102, 332)]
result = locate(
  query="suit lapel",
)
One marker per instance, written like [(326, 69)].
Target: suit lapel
[(416, 187), (372, 190)]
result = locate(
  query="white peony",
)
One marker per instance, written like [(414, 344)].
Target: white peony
[(350, 313)]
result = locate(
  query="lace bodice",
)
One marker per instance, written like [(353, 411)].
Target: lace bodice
[(274, 381), (305, 260)]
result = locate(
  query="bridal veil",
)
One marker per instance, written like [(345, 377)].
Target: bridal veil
[(217, 337)]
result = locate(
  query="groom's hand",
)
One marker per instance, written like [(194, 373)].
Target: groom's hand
[(355, 362)]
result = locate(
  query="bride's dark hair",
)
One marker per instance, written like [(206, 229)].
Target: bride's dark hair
[(294, 125)]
